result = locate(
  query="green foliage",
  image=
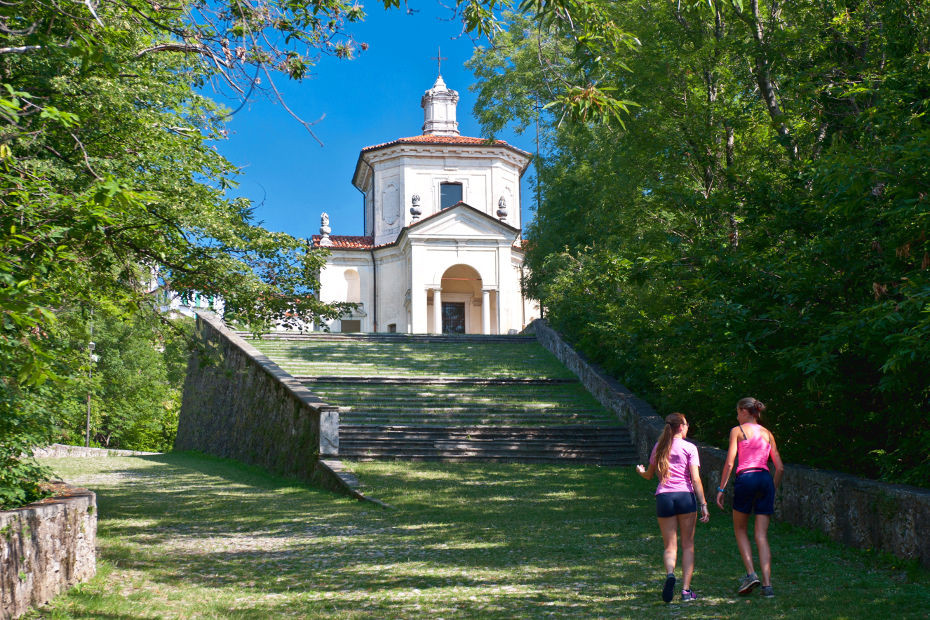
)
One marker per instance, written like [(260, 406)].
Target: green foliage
[(760, 225), (134, 379), (111, 191)]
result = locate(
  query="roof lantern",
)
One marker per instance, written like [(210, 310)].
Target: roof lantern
[(438, 105)]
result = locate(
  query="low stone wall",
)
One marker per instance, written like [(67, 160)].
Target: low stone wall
[(239, 404), (858, 512), (45, 548), (59, 450)]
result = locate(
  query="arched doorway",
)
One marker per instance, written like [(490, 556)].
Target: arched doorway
[(461, 300)]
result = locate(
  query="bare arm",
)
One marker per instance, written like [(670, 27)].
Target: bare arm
[(776, 459), (727, 466), (646, 473), (699, 492)]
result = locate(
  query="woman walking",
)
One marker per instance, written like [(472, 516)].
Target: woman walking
[(677, 464), (753, 489)]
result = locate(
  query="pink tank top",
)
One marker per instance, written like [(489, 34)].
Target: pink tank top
[(753, 453)]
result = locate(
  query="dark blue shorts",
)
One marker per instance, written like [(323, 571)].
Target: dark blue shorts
[(754, 491), (671, 504)]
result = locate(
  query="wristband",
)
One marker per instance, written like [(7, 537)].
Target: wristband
[(720, 490)]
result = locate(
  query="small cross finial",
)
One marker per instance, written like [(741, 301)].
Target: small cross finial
[(439, 58)]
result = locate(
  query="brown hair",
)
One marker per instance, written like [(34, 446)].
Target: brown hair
[(753, 406), (672, 425)]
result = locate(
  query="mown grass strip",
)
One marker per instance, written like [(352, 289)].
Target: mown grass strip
[(188, 536), (414, 359)]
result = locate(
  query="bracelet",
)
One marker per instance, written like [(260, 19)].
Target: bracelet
[(720, 490)]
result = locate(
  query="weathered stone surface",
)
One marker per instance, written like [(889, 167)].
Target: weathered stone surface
[(861, 513), (58, 450), (239, 404), (45, 548)]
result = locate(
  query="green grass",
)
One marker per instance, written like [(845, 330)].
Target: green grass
[(188, 536), (511, 405), (410, 358)]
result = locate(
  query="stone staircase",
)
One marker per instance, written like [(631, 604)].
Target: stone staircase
[(452, 398)]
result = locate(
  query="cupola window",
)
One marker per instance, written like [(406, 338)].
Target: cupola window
[(449, 194)]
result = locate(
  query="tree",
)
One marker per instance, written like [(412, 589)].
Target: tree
[(757, 225), (109, 185)]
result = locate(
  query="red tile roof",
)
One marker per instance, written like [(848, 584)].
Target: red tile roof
[(432, 139), (352, 242)]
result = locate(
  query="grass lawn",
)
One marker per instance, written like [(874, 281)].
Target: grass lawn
[(410, 358), (188, 536)]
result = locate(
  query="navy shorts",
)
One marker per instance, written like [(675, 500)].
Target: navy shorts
[(678, 503), (754, 490)]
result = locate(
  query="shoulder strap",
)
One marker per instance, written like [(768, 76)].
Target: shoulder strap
[(745, 438)]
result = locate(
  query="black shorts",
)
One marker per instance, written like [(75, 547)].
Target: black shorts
[(677, 503), (754, 491)]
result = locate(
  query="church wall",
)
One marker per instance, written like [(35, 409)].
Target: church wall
[(333, 284), (393, 276), (485, 178)]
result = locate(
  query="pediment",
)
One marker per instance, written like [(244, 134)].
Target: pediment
[(461, 221)]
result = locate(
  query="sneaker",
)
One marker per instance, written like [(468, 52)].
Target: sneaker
[(668, 590), (747, 583), (768, 591), (687, 596)]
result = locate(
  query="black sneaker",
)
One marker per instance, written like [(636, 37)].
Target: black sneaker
[(747, 583), (768, 591), (668, 590)]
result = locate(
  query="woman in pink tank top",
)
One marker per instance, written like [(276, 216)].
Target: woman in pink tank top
[(753, 490)]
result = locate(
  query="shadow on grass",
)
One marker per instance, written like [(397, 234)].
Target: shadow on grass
[(400, 358), (475, 540)]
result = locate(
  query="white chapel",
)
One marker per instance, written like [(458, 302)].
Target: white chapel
[(441, 250)]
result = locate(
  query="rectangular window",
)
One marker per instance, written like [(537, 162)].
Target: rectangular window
[(449, 194), (351, 326), (392, 328)]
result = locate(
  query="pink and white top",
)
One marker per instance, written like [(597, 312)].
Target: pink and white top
[(753, 453), (682, 455)]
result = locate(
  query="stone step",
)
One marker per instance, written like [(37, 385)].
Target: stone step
[(416, 381), (439, 407), (398, 338), (473, 421)]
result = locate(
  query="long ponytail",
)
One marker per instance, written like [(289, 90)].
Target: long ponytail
[(672, 426)]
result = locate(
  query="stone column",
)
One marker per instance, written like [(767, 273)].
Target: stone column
[(437, 311), (485, 311)]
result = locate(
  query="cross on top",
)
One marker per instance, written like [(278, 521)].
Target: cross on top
[(439, 58)]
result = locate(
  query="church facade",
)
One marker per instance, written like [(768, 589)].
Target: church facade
[(441, 250)]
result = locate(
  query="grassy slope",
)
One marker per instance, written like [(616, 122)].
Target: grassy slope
[(188, 536), (399, 358)]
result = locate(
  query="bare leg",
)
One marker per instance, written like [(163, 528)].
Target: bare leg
[(669, 527), (765, 552), (740, 529), (687, 523)]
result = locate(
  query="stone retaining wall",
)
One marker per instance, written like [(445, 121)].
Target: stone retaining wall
[(239, 404), (58, 451), (858, 512), (45, 548)]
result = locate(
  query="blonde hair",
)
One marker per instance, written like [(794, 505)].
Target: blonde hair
[(673, 425)]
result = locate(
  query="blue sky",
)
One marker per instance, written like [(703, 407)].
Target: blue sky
[(372, 99)]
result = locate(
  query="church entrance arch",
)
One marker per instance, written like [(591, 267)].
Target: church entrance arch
[(459, 311)]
